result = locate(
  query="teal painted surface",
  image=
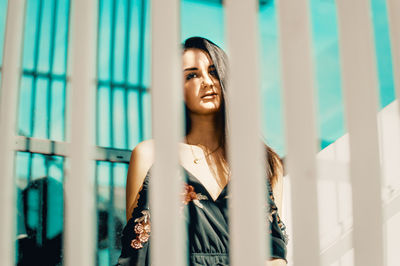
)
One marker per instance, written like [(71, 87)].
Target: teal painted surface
[(3, 10), (123, 97), (383, 52)]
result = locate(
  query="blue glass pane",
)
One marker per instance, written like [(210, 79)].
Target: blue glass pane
[(61, 37), (56, 168), (39, 167), (103, 181), (21, 173), (33, 209), (134, 35), (271, 95), (146, 67), (42, 200), (40, 110), (57, 114), (147, 116), (31, 32), (105, 18), (25, 107), (119, 118), (45, 36), (21, 168), (383, 52), (327, 71), (133, 118), (120, 172), (119, 41), (55, 208), (103, 113)]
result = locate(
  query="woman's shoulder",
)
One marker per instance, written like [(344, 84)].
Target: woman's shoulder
[(143, 153), (146, 146), (142, 158)]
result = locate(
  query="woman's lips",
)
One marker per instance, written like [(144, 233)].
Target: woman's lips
[(209, 96)]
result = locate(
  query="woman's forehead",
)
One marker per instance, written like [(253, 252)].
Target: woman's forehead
[(196, 57)]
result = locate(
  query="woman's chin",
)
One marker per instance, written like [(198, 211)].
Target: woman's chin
[(207, 111)]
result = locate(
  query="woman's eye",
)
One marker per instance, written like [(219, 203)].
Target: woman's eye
[(214, 73), (190, 76)]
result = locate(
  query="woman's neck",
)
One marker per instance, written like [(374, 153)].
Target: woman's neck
[(203, 132)]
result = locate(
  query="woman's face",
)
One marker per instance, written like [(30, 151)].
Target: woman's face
[(202, 89)]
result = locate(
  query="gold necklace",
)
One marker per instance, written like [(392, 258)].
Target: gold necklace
[(196, 160)]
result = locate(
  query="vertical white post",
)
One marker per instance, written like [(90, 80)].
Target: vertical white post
[(360, 93), (10, 78), (248, 223), (393, 8), (299, 109), (167, 246), (79, 237)]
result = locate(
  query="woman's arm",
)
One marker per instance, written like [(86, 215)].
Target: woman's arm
[(142, 158)]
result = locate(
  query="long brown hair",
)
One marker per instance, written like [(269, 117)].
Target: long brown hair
[(218, 56)]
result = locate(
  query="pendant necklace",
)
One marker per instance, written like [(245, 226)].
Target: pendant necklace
[(196, 160)]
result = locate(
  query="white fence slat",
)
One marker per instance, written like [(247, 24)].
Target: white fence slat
[(248, 243), (393, 8), (360, 93), (10, 80), (298, 85), (80, 213), (165, 187)]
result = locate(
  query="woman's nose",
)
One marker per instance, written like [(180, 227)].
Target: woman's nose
[(207, 81)]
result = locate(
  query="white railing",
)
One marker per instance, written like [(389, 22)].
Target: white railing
[(247, 199), (10, 79), (367, 228), (301, 138), (167, 231), (80, 213)]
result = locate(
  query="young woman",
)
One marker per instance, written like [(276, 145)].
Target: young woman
[(203, 158)]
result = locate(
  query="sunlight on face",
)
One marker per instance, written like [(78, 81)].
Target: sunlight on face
[(202, 89)]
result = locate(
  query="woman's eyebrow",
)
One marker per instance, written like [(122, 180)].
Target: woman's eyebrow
[(190, 69)]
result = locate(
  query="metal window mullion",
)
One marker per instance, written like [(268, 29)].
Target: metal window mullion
[(80, 194), (30, 166), (111, 71), (393, 7), (245, 153), (10, 81), (97, 193), (99, 83), (51, 63), (111, 213), (360, 81), (35, 65), (141, 68), (110, 207), (66, 62), (300, 126), (165, 187), (126, 71), (43, 74), (58, 148)]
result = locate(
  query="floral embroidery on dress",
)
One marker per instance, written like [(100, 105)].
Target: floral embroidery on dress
[(142, 226), (142, 229), (190, 195)]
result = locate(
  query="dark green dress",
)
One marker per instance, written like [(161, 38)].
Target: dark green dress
[(207, 221)]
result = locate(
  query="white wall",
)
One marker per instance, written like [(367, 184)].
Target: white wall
[(334, 195)]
